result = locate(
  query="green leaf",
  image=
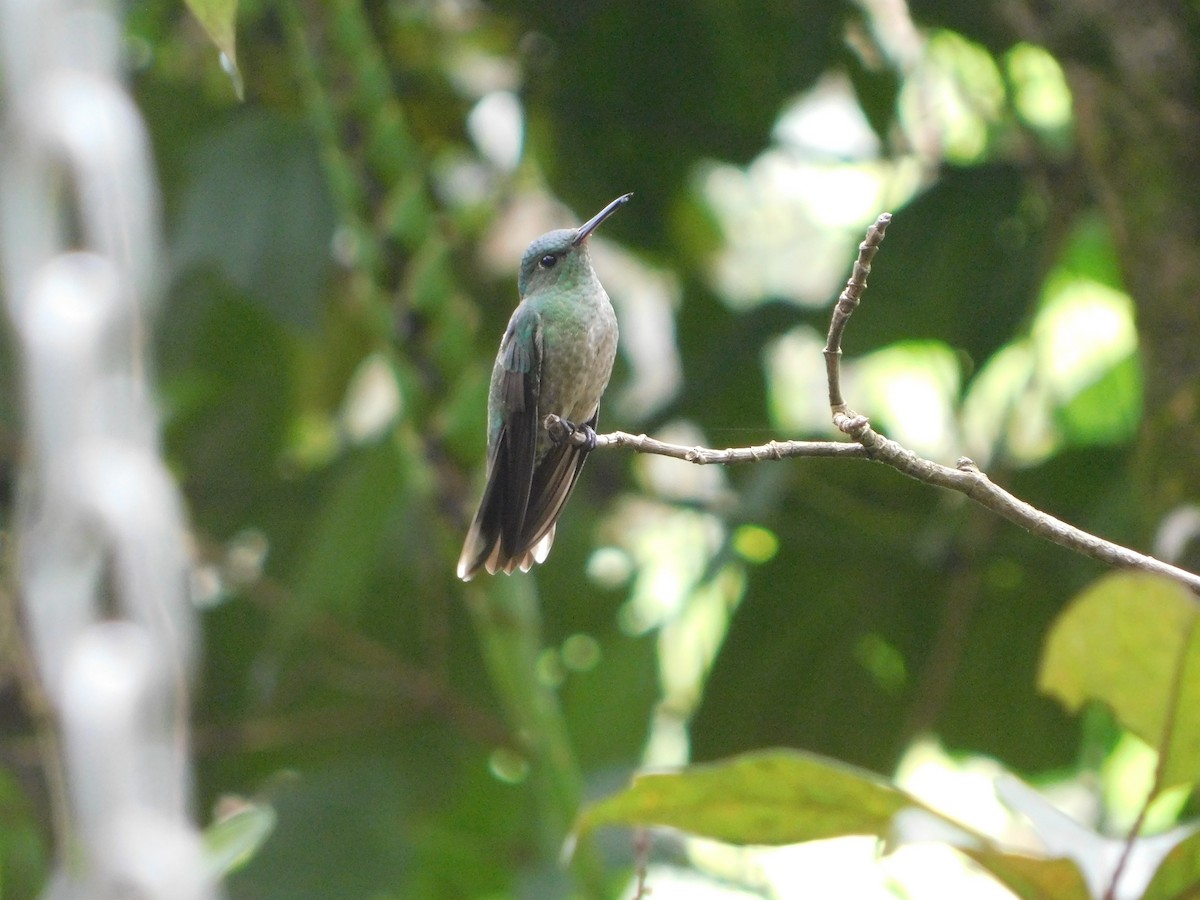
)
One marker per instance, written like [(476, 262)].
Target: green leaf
[(777, 797), (343, 828), (767, 797), (256, 209), (219, 18), (228, 386), (24, 851), (1130, 641), (232, 840), (1107, 411), (352, 527)]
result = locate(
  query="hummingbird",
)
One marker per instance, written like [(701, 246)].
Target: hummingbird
[(556, 357)]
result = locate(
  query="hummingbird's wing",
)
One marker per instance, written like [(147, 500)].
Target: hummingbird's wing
[(495, 541), (553, 479), (514, 526), (516, 447)]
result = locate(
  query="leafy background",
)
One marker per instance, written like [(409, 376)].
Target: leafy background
[(342, 251)]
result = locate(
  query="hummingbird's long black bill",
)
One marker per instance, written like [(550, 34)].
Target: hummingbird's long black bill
[(593, 223)]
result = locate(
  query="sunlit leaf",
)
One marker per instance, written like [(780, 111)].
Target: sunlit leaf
[(1083, 332), (1107, 411), (769, 797), (1090, 253), (232, 840), (219, 18), (1130, 641), (781, 797), (1040, 93)]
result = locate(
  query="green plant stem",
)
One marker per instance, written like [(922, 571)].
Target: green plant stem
[(505, 613)]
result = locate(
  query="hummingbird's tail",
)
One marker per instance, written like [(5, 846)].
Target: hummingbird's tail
[(514, 526), (481, 551)]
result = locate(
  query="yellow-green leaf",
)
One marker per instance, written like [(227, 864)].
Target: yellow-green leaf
[(768, 797), (232, 841), (774, 797), (219, 18), (1130, 641)]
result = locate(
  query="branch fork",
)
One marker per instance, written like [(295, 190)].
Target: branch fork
[(965, 477)]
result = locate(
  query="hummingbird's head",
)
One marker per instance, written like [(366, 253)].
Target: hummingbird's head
[(560, 258)]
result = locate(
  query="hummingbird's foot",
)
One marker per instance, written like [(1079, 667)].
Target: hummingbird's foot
[(589, 437), (559, 429), (562, 431)]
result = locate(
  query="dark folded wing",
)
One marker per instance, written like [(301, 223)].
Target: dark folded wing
[(553, 480), (516, 448), (496, 537)]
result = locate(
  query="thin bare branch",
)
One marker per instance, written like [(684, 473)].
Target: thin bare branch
[(845, 306), (702, 456), (965, 477)]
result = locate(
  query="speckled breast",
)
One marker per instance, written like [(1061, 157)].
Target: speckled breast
[(577, 361)]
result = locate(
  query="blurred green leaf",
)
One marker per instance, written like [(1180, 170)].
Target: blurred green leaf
[(228, 387), (1107, 411), (24, 853), (768, 797), (1090, 252), (219, 18), (610, 707), (257, 208), (349, 531), (234, 839), (787, 673), (340, 833), (779, 797), (1130, 641)]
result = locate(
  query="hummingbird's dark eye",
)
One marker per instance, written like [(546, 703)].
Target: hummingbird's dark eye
[(549, 261)]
